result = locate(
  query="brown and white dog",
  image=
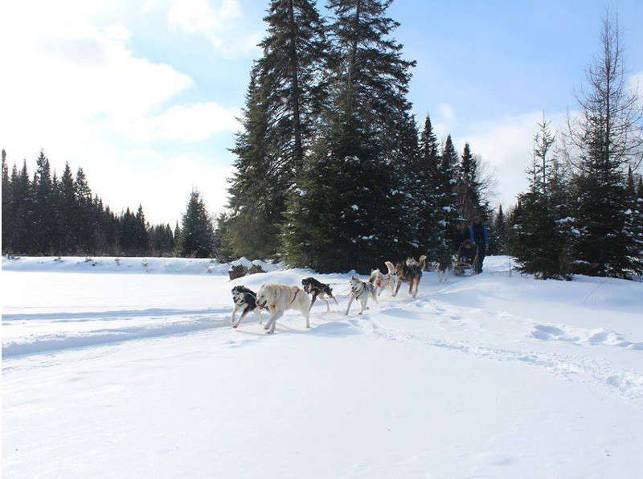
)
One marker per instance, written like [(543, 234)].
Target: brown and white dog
[(278, 298), (381, 280), (409, 271)]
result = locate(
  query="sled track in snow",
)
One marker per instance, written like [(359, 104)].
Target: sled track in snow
[(628, 384), (162, 322)]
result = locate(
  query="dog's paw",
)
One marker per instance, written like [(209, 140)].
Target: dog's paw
[(234, 326)]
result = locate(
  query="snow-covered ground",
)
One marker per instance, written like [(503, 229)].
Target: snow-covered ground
[(137, 373)]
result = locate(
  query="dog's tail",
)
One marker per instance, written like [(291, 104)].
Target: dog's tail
[(373, 276), (391, 268), (422, 262)]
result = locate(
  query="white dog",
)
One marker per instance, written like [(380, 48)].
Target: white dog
[(361, 290), (381, 281), (278, 298)]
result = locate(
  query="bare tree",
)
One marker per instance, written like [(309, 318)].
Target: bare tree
[(608, 133)]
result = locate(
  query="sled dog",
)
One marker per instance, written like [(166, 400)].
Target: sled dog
[(381, 280), (410, 272), (245, 299), (361, 290), (277, 298), (317, 288)]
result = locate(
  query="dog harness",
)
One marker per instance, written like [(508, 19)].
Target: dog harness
[(295, 296)]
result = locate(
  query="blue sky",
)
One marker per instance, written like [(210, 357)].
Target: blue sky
[(143, 93)]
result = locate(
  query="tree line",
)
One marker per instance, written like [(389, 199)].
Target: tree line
[(46, 215), (331, 170)]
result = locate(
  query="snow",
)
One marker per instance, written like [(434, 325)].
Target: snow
[(134, 371)]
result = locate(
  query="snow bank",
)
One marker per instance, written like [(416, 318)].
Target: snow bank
[(110, 264)]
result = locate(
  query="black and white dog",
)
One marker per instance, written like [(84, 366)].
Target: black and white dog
[(361, 290), (245, 299), (317, 288)]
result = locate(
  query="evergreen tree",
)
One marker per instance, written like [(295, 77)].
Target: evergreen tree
[(468, 186), (606, 137), (7, 210), (500, 232), (544, 238), (20, 222), (197, 232), (428, 186), (140, 232), (257, 190), (285, 94), (222, 242), (68, 209), (348, 210), (43, 208), (448, 197)]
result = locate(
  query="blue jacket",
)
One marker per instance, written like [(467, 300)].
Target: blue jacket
[(485, 234)]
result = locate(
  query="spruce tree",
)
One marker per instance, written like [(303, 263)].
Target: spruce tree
[(258, 188), (427, 176), (84, 217), (197, 232), (348, 210), (286, 92), (606, 138), (21, 220), (500, 232), (545, 234), (448, 196), (7, 210), (68, 209), (44, 210), (140, 232), (468, 186)]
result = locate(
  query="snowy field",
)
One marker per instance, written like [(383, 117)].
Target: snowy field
[(131, 369)]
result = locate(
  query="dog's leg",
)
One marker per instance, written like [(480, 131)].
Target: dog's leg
[(411, 283), (234, 313), (243, 315), (362, 302), (313, 301), (334, 299), (417, 286), (350, 300), (399, 283), (258, 311), (327, 304), (272, 322)]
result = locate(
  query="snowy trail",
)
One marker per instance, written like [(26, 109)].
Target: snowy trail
[(130, 375)]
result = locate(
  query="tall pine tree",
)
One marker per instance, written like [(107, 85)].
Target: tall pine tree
[(428, 184), (285, 95), (348, 210)]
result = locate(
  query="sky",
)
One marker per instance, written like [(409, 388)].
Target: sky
[(144, 95)]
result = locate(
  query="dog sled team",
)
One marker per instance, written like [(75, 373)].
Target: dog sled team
[(278, 298)]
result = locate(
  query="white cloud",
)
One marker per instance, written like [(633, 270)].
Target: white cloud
[(220, 22), (71, 84), (161, 184), (445, 112), (200, 16), (506, 146), (187, 123)]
